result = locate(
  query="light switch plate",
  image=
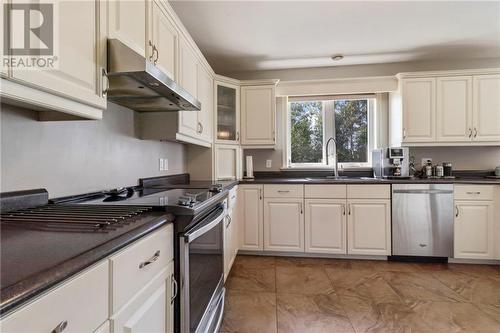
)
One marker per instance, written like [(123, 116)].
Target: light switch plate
[(165, 164), (269, 163), (160, 167)]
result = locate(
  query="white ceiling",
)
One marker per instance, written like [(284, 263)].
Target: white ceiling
[(257, 35)]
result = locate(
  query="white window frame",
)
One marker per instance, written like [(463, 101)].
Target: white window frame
[(328, 131)]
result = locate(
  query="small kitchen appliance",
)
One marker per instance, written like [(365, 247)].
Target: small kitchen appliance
[(391, 163)]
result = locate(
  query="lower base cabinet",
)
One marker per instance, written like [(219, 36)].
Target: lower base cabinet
[(474, 230), (325, 226), (251, 214), (150, 310), (284, 224), (369, 226)]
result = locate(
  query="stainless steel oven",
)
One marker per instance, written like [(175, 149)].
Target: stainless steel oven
[(202, 272)]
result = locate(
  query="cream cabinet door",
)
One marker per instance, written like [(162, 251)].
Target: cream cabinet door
[(258, 109), (228, 245), (325, 226), (251, 223), (369, 226), (127, 22), (164, 37), (206, 97), (284, 224), (78, 72), (188, 79), (227, 116), (486, 108), (474, 230), (419, 110), (454, 108), (227, 162)]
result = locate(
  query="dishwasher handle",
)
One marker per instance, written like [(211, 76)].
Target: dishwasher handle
[(424, 191)]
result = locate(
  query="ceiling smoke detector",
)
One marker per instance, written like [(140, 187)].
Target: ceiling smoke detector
[(337, 57)]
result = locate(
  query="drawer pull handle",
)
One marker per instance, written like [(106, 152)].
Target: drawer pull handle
[(150, 260), (343, 209), (456, 211), (474, 193), (176, 289), (229, 220), (61, 327), (283, 191)]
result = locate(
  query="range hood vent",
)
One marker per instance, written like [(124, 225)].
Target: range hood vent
[(138, 84)]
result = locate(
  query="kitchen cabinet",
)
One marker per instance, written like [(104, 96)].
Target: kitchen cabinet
[(231, 236), (486, 107), (75, 84), (258, 115), (206, 97), (284, 224), (419, 109), (227, 162), (325, 226), (369, 226), (127, 22), (188, 79), (252, 215), (454, 108), (227, 117), (163, 40), (474, 226), (80, 305)]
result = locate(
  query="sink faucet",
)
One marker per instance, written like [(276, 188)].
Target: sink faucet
[(335, 169)]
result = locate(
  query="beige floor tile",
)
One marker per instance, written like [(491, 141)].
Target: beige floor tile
[(311, 314), (249, 312), (385, 266), (312, 262), (348, 278), (252, 279), (302, 280), (446, 317), (259, 262)]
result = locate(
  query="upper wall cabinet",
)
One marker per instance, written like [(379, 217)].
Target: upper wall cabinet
[(446, 108), (127, 22), (163, 40), (75, 84), (258, 115), (227, 118)]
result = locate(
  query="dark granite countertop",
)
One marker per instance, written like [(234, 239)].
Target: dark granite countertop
[(367, 180), (42, 248)]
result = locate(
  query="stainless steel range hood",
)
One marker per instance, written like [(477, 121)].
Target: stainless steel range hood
[(138, 84)]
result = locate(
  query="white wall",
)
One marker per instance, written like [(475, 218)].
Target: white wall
[(73, 157)]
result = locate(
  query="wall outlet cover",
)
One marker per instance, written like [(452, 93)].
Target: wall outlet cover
[(425, 159), (165, 164), (269, 163), (160, 167)]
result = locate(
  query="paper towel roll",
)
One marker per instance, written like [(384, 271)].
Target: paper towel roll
[(249, 161)]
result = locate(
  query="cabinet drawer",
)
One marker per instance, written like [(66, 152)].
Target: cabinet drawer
[(82, 303), (369, 191), (325, 191), (283, 191), (474, 192), (133, 267)]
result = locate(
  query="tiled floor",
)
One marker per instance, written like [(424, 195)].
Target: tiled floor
[(268, 294)]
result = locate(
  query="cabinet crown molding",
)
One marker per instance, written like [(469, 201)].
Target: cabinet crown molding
[(460, 72)]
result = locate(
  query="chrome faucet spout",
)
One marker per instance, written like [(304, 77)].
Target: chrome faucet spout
[(335, 161)]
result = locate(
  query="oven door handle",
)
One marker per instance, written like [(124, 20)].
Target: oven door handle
[(197, 232)]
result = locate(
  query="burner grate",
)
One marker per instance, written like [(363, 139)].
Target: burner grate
[(67, 217)]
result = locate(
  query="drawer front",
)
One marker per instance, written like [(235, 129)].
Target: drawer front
[(474, 192), (283, 191), (325, 191), (80, 304), (133, 267), (369, 191)]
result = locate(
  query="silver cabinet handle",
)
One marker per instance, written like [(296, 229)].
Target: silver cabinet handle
[(176, 288), (237, 136), (274, 136), (404, 133), (349, 209), (229, 220), (152, 51), (470, 133), (150, 260), (301, 210), (343, 209), (473, 193), (260, 194), (105, 87), (155, 50), (283, 191), (200, 128), (456, 211), (475, 132), (60, 327)]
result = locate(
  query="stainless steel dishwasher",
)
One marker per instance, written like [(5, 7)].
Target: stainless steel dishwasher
[(422, 220)]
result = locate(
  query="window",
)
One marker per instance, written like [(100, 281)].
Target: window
[(314, 120)]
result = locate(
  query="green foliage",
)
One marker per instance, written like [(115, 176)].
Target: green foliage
[(306, 132), (351, 130)]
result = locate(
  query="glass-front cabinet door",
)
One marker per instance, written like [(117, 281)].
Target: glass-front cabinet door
[(228, 113)]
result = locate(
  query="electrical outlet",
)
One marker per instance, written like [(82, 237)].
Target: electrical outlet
[(269, 163), (161, 167), (165, 164), (425, 159)]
